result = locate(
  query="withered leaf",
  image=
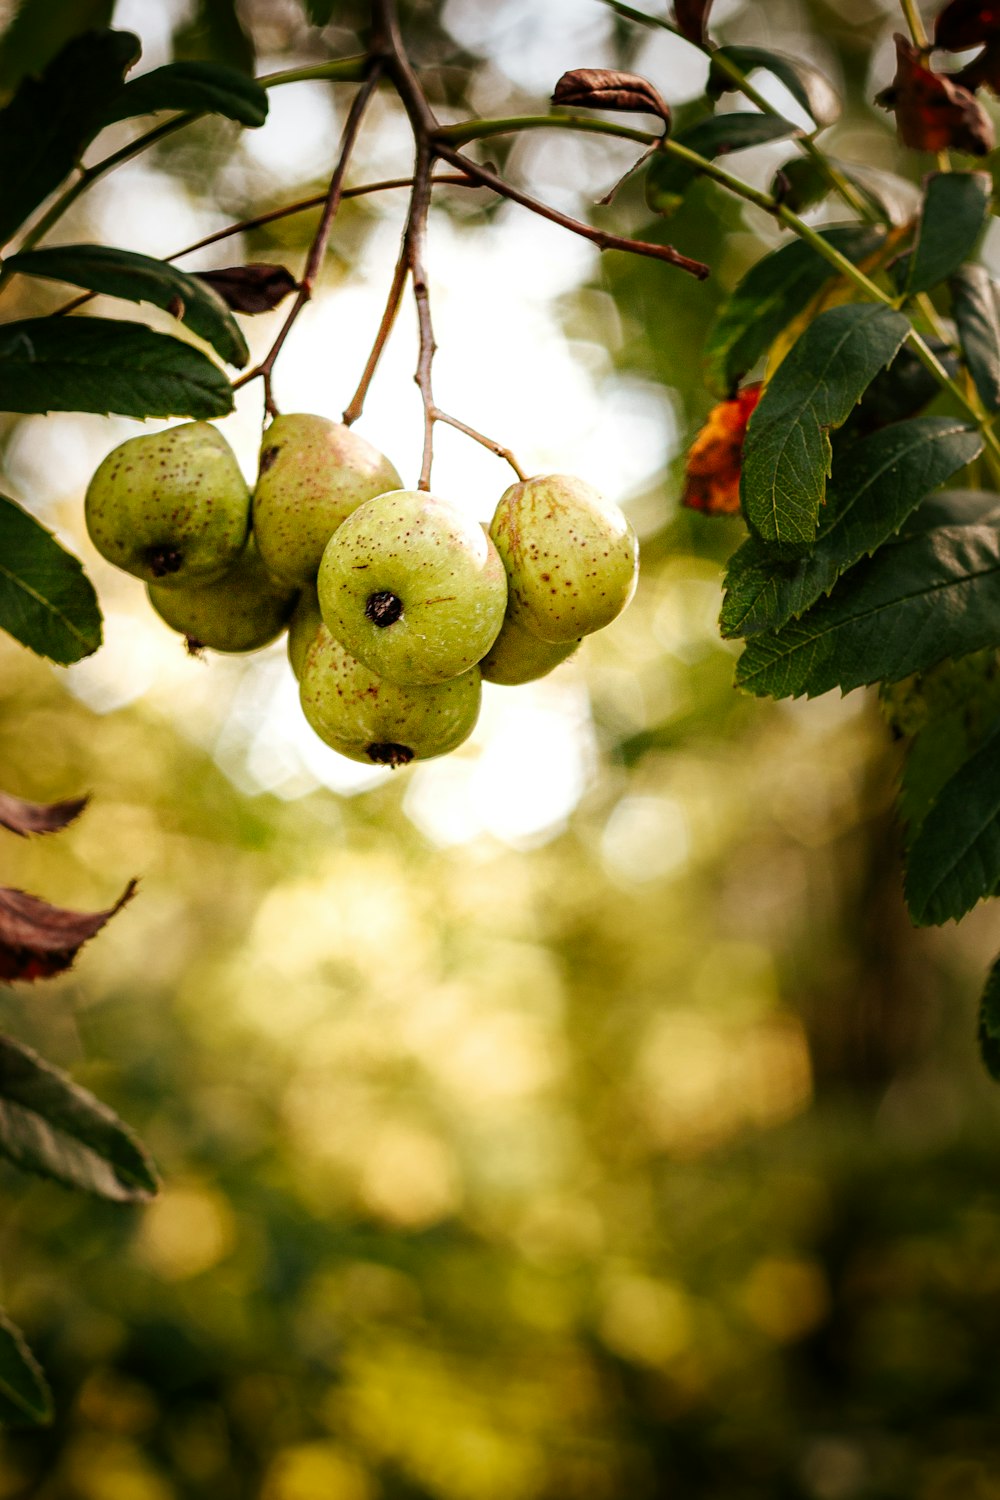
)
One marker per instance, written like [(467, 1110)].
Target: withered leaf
[(38, 939), (712, 469), (692, 18), (254, 288), (24, 817), (932, 112), (606, 88), (966, 23)]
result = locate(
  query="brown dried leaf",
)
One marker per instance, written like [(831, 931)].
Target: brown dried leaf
[(932, 112), (38, 939), (254, 288), (25, 817), (692, 19), (606, 88), (966, 23), (714, 459)]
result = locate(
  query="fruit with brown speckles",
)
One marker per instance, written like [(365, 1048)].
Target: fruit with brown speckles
[(170, 507), (571, 556), (517, 656), (313, 474), (413, 588), (383, 723), (242, 611), (303, 628)]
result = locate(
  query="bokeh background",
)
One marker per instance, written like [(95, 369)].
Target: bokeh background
[(574, 1118)]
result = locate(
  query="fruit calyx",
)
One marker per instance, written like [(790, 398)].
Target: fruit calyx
[(390, 755), (163, 561), (383, 608)]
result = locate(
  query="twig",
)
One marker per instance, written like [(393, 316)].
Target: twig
[(480, 437), (356, 404), (318, 247), (413, 250)]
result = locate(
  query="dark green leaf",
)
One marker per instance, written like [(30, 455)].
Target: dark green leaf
[(49, 121), (954, 508), (773, 292), (800, 183), (917, 601), (974, 308), (93, 364), (40, 28), (668, 178), (786, 456), (901, 391), (49, 1125), (216, 32), (25, 1398), (954, 861), (46, 600), (954, 212), (207, 88), (989, 1023), (875, 486), (139, 278), (946, 713), (806, 84)]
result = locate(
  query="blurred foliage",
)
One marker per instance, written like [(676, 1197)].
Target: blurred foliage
[(652, 1160)]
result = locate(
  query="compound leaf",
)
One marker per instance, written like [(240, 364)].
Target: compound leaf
[(25, 1398), (46, 600), (786, 457), (94, 364)]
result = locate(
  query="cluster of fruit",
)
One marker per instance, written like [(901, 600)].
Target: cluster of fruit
[(397, 604)]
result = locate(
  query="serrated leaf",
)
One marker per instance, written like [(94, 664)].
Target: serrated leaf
[(773, 292), (877, 483), (954, 861), (25, 1398), (52, 1126), (918, 600), (902, 390), (669, 178), (46, 600), (974, 308), (786, 457), (94, 364), (204, 87), (806, 84), (946, 712), (49, 121), (140, 278), (25, 818), (952, 219), (989, 1023), (954, 508)]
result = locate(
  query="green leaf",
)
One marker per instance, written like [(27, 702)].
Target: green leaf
[(954, 861), (876, 485), (773, 292), (94, 364), (40, 28), (46, 600), (902, 390), (205, 87), (946, 712), (918, 600), (25, 1398), (49, 1125), (49, 121), (668, 178), (806, 84), (786, 456), (140, 278), (989, 1023), (974, 308), (216, 32), (954, 212)]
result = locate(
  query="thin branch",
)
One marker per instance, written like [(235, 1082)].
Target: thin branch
[(480, 437), (356, 404), (413, 251), (317, 250)]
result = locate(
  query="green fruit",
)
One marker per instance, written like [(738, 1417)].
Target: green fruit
[(378, 722), (413, 588), (171, 507), (303, 628), (313, 473), (571, 556), (242, 611), (517, 656)]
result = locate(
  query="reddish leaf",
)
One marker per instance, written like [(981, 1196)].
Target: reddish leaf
[(713, 463), (966, 23), (604, 88), (254, 288), (692, 16), (38, 940), (932, 112), (38, 817)]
